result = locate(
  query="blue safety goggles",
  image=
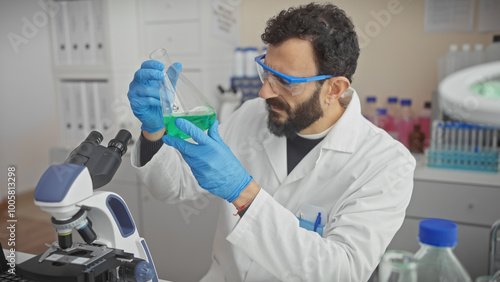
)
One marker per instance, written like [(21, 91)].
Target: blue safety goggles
[(281, 83)]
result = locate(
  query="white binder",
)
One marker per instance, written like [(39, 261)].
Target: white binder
[(80, 109), (67, 111), (76, 11), (106, 123), (88, 41), (99, 31), (90, 106), (61, 33)]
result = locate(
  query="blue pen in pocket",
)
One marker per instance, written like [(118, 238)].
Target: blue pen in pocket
[(311, 218)]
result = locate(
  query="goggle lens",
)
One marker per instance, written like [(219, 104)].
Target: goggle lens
[(278, 84)]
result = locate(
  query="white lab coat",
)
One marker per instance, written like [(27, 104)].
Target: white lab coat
[(362, 176)]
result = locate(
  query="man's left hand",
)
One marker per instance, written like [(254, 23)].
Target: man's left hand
[(211, 161)]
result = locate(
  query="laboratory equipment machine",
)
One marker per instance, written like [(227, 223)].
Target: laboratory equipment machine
[(473, 94), (468, 137), (109, 247)]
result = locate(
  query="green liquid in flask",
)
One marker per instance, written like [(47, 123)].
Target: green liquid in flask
[(202, 120)]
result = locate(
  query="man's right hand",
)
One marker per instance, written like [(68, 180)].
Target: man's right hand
[(144, 95)]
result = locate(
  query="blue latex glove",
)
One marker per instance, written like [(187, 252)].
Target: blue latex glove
[(213, 164), (144, 93)]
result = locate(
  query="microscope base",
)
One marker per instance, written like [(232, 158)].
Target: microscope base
[(80, 263)]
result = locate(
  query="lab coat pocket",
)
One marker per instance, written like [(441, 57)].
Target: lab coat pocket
[(312, 226), (312, 218)]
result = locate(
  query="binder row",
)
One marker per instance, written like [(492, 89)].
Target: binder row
[(86, 106), (78, 31)]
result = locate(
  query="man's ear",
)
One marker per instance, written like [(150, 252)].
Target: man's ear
[(336, 87)]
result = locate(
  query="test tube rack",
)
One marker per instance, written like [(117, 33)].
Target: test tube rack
[(463, 146)]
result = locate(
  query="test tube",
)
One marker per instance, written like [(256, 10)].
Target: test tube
[(447, 129), (439, 143), (460, 138), (473, 143), (487, 138), (453, 138), (494, 140), (466, 137), (439, 137), (480, 132), (434, 135)]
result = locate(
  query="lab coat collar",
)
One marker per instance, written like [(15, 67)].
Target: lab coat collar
[(275, 148), (343, 136)]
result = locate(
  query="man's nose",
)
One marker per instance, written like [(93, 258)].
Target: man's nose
[(266, 91)]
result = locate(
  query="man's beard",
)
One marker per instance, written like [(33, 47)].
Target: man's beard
[(298, 119)]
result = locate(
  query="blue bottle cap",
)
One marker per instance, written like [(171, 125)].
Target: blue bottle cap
[(438, 232), (405, 102), (392, 100), (381, 111), (371, 99)]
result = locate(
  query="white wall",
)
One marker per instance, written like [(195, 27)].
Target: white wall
[(28, 123), (399, 60)]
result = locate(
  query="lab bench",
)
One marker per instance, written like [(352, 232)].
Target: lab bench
[(471, 199)]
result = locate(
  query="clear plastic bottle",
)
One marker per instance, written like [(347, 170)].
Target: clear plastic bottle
[(493, 50), (370, 108), (239, 62), (477, 56), (436, 260), (392, 116), (406, 121), (381, 118), (452, 59), (250, 69), (465, 56)]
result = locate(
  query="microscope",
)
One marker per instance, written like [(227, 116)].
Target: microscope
[(112, 249)]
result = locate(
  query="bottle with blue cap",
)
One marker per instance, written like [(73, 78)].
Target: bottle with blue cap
[(436, 260)]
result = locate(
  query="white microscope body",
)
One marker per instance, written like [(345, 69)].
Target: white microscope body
[(113, 249)]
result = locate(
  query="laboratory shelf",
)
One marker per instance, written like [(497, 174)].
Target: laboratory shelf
[(425, 173)]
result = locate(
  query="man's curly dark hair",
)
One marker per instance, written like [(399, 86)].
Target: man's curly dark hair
[(329, 30)]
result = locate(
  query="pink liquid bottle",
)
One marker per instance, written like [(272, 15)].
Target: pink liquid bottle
[(381, 119), (405, 123), (392, 117), (370, 110), (424, 119)]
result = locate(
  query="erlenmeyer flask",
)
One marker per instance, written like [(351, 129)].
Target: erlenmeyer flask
[(181, 99)]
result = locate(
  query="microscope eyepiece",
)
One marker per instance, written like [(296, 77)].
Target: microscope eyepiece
[(120, 141), (94, 137)]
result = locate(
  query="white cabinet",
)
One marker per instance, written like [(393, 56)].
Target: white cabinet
[(470, 199), (105, 42)]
